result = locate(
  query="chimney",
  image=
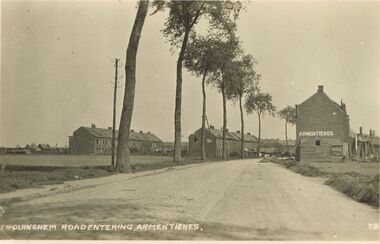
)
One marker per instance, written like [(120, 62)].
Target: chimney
[(93, 125), (238, 131), (343, 106), (132, 131), (141, 131), (360, 130), (320, 88), (212, 127)]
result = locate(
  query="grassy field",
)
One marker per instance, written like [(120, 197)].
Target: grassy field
[(370, 168), (12, 180), (73, 160), (360, 181), (26, 171)]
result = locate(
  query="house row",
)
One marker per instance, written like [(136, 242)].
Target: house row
[(93, 140), (323, 133), (214, 143), (33, 147)]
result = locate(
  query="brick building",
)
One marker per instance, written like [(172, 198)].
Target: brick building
[(92, 140), (214, 143), (323, 129)]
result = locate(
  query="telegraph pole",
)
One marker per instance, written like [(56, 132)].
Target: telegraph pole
[(114, 113)]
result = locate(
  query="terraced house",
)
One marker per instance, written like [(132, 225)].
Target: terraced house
[(214, 143), (92, 140)]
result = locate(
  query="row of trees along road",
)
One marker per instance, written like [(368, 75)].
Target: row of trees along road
[(216, 57)]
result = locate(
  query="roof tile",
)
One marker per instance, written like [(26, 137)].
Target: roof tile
[(136, 136)]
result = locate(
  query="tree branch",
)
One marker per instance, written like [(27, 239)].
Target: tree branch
[(197, 14)]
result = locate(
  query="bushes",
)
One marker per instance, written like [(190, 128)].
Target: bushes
[(308, 170), (362, 188), (300, 168), (234, 155), (267, 160)]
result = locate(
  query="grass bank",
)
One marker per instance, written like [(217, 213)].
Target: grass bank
[(24, 176), (361, 188), (21, 178), (355, 184)]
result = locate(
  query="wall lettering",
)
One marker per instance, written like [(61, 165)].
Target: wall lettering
[(316, 133)]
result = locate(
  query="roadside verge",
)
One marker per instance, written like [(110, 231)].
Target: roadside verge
[(358, 186)]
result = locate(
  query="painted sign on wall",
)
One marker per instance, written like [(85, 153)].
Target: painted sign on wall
[(316, 133)]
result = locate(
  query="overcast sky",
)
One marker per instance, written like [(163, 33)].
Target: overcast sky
[(56, 66)]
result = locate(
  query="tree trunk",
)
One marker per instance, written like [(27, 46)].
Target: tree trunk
[(123, 160), (224, 156), (259, 140), (178, 101), (286, 135), (242, 128), (203, 144)]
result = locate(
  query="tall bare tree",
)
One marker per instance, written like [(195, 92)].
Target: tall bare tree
[(183, 16), (289, 115), (123, 152), (244, 80), (261, 103)]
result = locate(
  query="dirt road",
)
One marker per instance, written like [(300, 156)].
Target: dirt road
[(227, 200)]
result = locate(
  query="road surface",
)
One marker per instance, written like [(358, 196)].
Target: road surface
[(230, 200)]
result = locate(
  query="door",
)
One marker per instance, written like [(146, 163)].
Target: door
[(345, 150)]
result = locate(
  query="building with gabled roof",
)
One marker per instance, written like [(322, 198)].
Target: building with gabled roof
[(322, 129), (93, 140), (44, 146), (214, 143)]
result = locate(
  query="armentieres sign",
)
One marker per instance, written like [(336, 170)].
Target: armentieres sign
[(316, 133)]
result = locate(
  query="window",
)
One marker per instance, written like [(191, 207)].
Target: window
[(317, 142)]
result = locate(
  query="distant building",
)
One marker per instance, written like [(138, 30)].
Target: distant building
[(167, 148), (280, 146), (32, 146), (92, 140), (44, 147), (323, 130), (269, 151), (214, 143)]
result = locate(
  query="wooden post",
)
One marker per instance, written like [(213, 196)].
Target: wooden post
[(356, 146), (114, 114), (2, 168)]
